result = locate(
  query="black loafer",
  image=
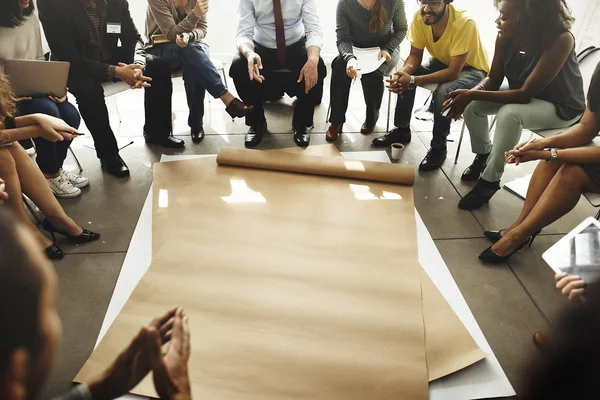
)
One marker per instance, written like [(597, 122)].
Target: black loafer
[(115, 166), (170, 142), (396, 135), (481, 194), (473, 171), (197, 135), (255, 134), (433, 160), (301, 136)]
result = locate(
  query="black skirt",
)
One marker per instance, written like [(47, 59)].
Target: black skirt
[(593, 171)]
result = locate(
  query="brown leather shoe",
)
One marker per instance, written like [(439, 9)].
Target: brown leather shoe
[(541, 340), (333, 132), (366, 130), (238, 109)]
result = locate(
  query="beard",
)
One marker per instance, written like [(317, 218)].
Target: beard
[(437, 17)]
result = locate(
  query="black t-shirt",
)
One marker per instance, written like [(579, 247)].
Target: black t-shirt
[(594, 93)]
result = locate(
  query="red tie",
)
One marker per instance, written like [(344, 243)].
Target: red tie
[(279, 31)]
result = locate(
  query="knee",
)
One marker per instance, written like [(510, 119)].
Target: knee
[(86, 89), (570, 175), (322, 69), (46, 106), (338, 65), (239, 67), (70, 115), (510, 113), (7, 163), (440, 95)]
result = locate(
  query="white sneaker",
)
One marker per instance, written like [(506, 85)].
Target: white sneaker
[(30, 151), (76, 180), (62, 188)]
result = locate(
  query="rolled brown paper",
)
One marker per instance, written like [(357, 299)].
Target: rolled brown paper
[(316, 165)]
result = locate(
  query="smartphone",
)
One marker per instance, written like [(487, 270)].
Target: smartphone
[(76, 133)]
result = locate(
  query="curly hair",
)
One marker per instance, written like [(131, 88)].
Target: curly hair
[(541, 20), (8, 104)]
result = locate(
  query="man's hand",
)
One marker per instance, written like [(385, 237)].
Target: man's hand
[(457, 102), (3, 194), (201, 8), (254, 66), (53, 129), (170, 371), (59, 100), (128, 73), (183, 39), (399, 83), (309, 74), (352, 68), (571, 286), (134, 363), (384, 54)]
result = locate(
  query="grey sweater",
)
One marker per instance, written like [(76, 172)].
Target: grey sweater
[(163, 17), (353, 27), (22, 42)]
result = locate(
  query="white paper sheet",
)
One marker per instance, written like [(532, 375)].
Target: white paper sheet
[(368, 59), (483, 380)]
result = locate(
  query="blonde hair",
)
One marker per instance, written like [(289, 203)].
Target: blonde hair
[(8, 104)]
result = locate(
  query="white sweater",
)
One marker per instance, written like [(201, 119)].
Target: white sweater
[(22, 42)]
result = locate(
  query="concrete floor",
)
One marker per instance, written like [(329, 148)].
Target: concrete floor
[(509, 301)]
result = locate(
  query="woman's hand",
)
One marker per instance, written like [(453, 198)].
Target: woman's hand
[(457, 102), (3, 194), (384, 54), (571, 286), (53, 129), (352, 68), (59, 100), (517, 156)]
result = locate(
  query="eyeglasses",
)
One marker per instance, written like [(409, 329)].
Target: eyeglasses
[(431, 3)]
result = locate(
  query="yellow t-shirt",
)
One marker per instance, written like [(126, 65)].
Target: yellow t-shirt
[(461, 36)]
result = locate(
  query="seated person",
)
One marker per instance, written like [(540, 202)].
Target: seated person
[(99, 39), (275, 35), (536, 53), (458, 61), (183, 23), (384, 27), (22, 40), (28, 292), (21, 175), (556, 185)]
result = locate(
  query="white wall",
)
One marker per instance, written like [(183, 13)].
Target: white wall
[(222, 22)]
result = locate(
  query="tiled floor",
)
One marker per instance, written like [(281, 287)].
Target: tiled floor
[(510, 301)]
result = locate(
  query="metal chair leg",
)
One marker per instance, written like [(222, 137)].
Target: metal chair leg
[(328, 112), (76, 159), (31, 210), (387, 127), (597, 216), (462, 132)]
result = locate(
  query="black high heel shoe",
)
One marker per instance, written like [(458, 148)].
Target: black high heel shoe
[(84, 237), (494, 236), (53, 252), (489, 257)]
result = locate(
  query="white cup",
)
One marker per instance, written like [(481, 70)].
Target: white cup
[(397, 149)]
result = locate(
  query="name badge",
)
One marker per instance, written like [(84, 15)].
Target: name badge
[(113, 27)]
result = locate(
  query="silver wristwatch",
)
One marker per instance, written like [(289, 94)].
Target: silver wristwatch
[(553, 156), (412, 85)]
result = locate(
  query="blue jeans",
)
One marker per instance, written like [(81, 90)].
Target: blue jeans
[(51, 156), (199, 75), (468, 79)]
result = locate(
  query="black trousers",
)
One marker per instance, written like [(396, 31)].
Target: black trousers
[(157, 98), (90, 97), (255, 93), (373, 89)]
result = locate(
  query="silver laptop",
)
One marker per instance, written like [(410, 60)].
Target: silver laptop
[(32, 78)]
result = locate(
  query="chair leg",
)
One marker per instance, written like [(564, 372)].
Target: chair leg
[(597, 215), (117, 109), (76, 159), (387, 127), (462, 132), (31, 210), (328, 113)]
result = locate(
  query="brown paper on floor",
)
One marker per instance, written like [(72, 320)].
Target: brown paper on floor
[(291, 282)]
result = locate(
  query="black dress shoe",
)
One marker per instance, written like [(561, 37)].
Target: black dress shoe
[(301, 136), (489, 257), (433, 160), (473, 171), (396, 135), (115, 166), (84, 237), (53, 252), (170, 142), (255, 134), (481, 194), (197, 135)]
